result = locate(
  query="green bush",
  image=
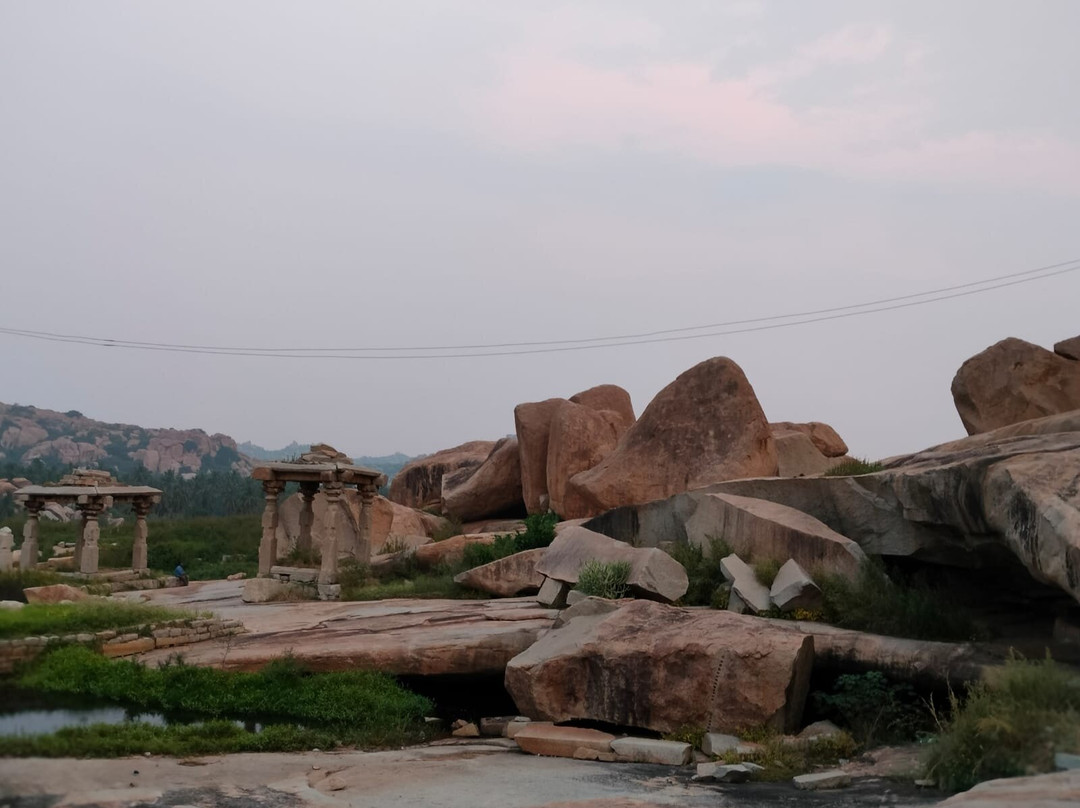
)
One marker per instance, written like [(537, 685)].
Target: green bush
[(766, 570), (854, 468), (604, 580), (708, 586), (875, 709), (1010, 724), (539, 532), (903, 608)]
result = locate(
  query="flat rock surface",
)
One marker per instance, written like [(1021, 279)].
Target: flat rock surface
[(459, 776), (407, 637)]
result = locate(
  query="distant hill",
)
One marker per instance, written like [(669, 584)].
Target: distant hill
[(387, 464), (70, 438)]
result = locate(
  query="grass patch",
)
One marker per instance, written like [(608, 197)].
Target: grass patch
[(44, 619), (766, 570), (1009, 725), (366, 702), (708, 586), (604, 580), (854, 468), (783, 758), (905, 607), (433, 584)]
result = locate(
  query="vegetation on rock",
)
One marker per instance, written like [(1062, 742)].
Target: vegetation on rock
[(539, 532), (853, 468), (604, 580), (45, 619), (1010, 724), (708, 586)]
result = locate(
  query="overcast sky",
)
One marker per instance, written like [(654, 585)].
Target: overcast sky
[(321, 174)]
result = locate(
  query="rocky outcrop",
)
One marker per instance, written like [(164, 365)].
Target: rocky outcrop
[(27, 433), (506, 577), (1014, 381), (661, 668), (988, 500), (653, 573), (419, 483), (704, 427), (579, 439), (825, 439), (491, 490), (389, 520), (532, 422)]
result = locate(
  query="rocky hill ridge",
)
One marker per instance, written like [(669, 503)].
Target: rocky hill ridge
[(28, 433)]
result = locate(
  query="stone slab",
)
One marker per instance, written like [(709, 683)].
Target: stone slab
[(543, 738), (822, 780), (650, 750)]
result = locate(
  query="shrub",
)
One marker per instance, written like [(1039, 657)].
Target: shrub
[(904, 608), (1010, 724), (854, 468), (782, 759), (707, 582), (875, 709), (766, 570), (539, 532), (604, 580)]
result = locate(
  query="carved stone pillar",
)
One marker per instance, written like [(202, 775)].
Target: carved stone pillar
[(141, 507), (268, 544), (307, 516), (328, 571), (29, 555), (91, 508), (367, 516), (79, 540), (7, 542)]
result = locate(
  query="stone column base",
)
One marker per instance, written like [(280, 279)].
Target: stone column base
[(329, 591)]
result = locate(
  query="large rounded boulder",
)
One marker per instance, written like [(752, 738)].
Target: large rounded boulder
[(705, 427)]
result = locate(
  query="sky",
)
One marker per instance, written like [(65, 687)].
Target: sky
[(422, 174)]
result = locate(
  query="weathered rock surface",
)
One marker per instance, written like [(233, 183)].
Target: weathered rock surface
[(609, 397), (579, 438), (54, 593), (492, 490), (263, 590), (532, 422), (400, 637), (968, 503), (419, 483), (817, 781), (704, 427), (506, 577), (1014, 381), (825, 439), (1069, 348), (661, 668), (1041, 791), (653, 573), (757, 530)]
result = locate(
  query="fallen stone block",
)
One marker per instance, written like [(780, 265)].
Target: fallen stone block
[(542, 738), (262, 590), (793, 588), (716, 743), (506, 577), (54, 593), (553, 593), (745, 585), (650, 750), (822, 780)]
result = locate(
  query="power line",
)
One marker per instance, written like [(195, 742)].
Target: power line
[(644, 338)]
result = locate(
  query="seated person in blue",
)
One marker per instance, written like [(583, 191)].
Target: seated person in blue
[(181, 575)]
